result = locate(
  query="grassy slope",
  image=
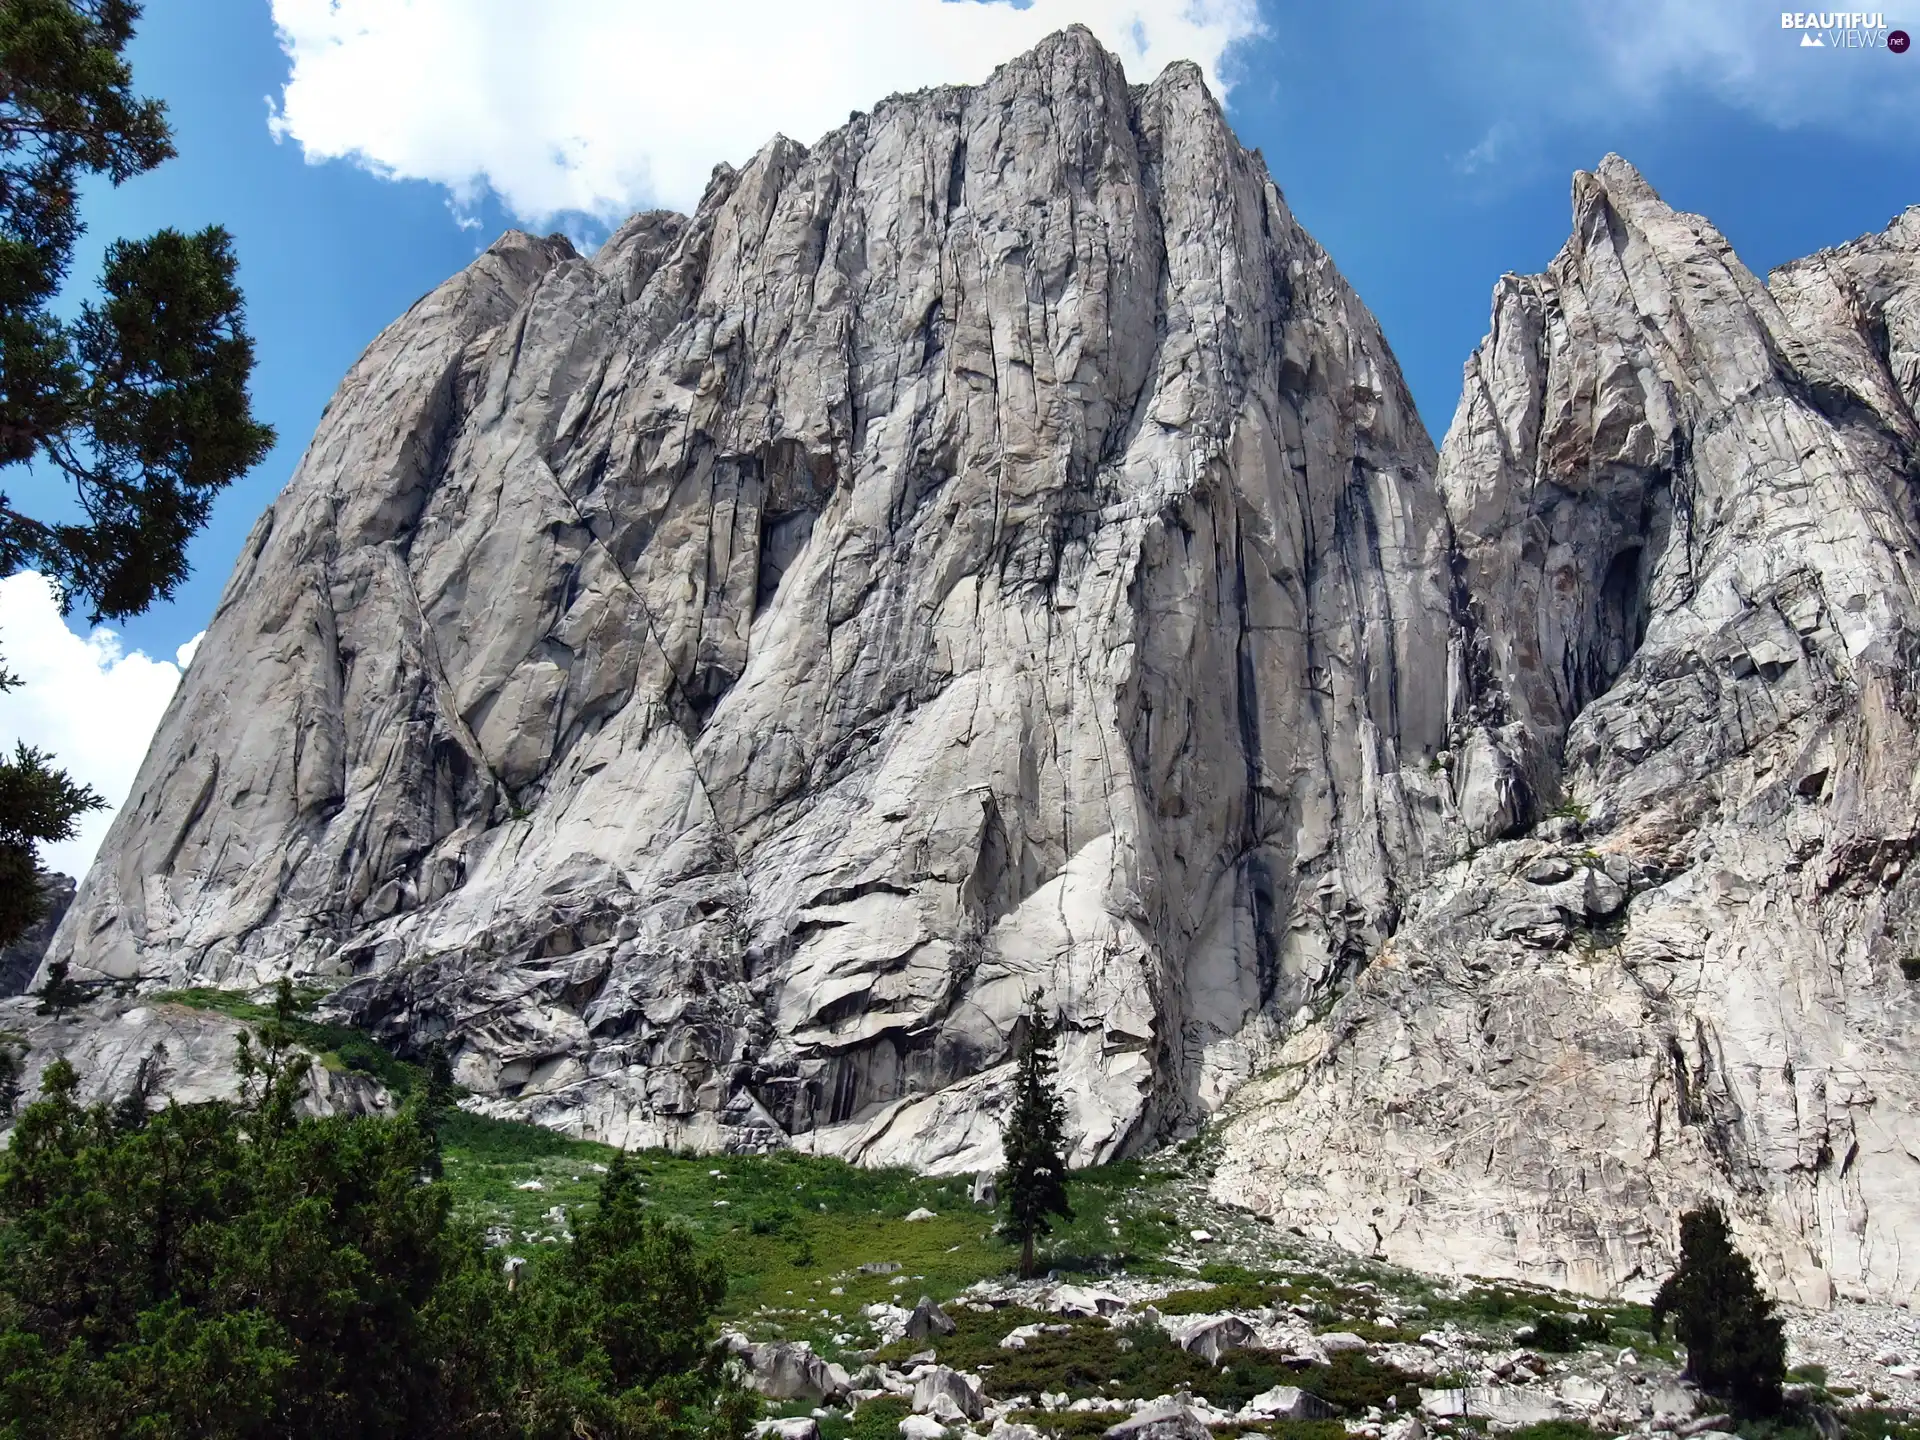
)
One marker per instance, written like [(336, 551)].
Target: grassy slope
[(793, 1229)]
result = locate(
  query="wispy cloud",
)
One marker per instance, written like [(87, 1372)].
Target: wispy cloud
[(1490, 150), (599, 107), (1589, 57)]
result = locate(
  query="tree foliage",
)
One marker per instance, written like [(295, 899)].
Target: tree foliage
[(60, 992), (1033, 1186), (38, 804), (1736, 1347), (139, 402), (241, 1269), (12, 1066)]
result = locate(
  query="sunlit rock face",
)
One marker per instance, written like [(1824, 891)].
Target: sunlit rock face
[(1684, 508), (712, 683)]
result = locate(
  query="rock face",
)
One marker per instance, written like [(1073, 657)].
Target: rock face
[(1685, 510), (20, 960), (711, 683), (163, 1050)]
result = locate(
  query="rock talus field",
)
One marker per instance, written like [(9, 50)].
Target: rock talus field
[(709, 684)]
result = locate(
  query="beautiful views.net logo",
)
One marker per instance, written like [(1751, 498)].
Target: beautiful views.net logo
[(1844, 30)]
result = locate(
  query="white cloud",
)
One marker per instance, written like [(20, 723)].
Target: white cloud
[(601, 107), (93, 707), (1593, 58)]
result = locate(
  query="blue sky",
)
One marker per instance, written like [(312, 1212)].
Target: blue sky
[(1428, 146)]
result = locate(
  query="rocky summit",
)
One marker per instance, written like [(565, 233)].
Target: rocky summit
[(710, 683)]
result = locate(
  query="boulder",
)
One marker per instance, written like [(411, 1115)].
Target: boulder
[(1083, 1301), (927, 1321), (1674, 1400), (1017, 1338), (938, 1389), (1163, 1419), (789, 1370), (1336, 1341), (1211, 1336), (1285, 1402), (1582, 1392), (1504, 1404)]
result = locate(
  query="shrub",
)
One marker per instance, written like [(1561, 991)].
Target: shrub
[(240, 1270), (878, 1419), (1239, 1296), (1354, 1381), (1736, 1347), (1553, 1430), (1559, 1332)]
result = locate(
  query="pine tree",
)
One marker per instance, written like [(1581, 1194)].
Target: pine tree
[(1736, 1347), (12, 1066), (1033, 1186), (139, 401), (38, 805), (240, 1270), (60, 992), (618, 1337)]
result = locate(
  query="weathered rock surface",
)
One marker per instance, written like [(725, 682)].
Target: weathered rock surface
[(711, 682), (1168, 1419), (947, 1394), (20, 960), (1685, 510), (165, 1049)]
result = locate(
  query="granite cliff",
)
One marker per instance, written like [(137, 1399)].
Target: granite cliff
[(1684, 506), (708, 684)]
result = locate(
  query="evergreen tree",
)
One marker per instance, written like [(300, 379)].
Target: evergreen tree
[(139, 403), (38, 805), (619, 1339), (60, 992), (1736, 1347), (12, 1063), (243, 1270), (1033, 1186)]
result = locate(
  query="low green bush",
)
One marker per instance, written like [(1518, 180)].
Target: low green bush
[(1560, 1332), (1554, 1430)]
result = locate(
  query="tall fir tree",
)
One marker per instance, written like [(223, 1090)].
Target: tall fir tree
[(139, 401), (1736, 1346), (1033, 1186)]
